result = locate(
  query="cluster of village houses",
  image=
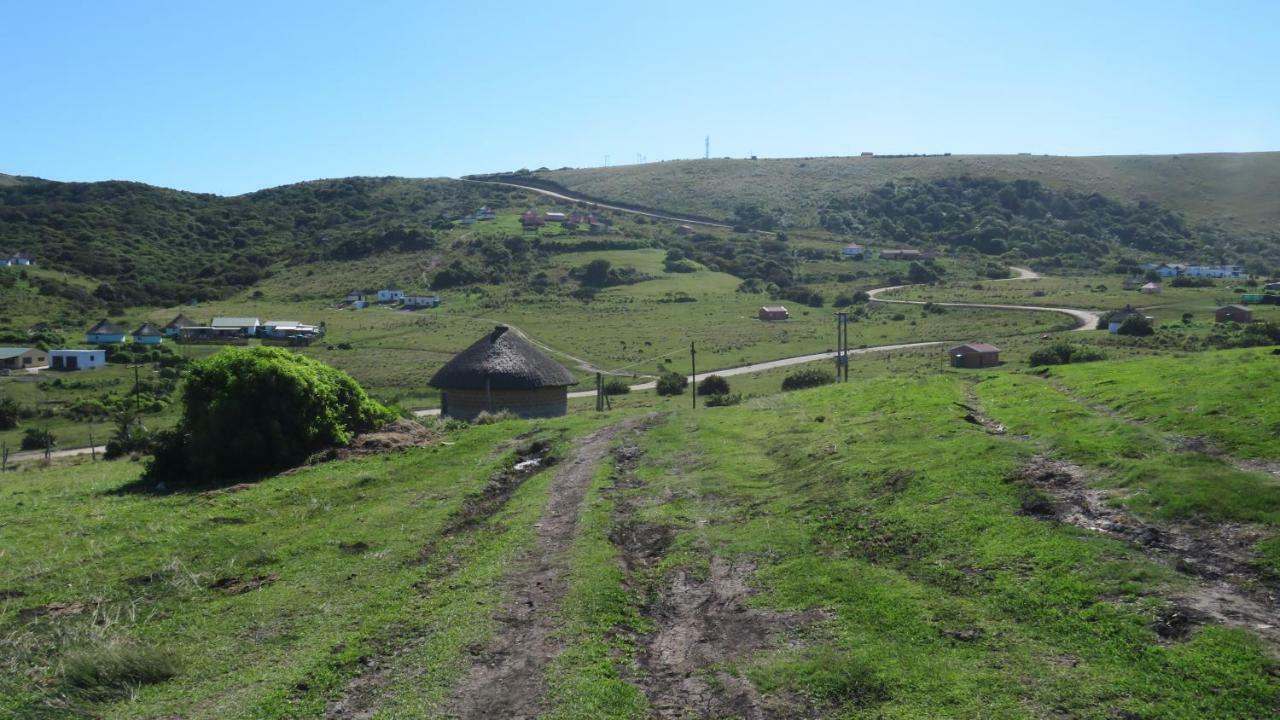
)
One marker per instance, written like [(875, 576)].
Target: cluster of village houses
[(855, 251), (19, 259), (532, 220), (182, 329), (359, 299)]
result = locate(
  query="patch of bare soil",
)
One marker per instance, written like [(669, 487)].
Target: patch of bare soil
[(1206, 447), (399, 434), (54, 610), (1231, 591), (702, 624), (239, 586), (974, 416), (507, 679)]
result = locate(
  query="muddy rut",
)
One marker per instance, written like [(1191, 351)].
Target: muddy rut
[(1229, 590), (702, 622), (507, 679)]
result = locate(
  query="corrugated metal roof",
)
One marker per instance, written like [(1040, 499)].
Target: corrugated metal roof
[(11, 352)]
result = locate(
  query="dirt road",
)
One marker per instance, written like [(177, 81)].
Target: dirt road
[(507, 680), (571, 198)]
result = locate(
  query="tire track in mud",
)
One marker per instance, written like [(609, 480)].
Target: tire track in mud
[(703, 624), (507, 679), (1228, 588), (362, 695)]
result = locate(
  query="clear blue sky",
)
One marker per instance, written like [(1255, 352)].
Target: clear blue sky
[(229, 97)]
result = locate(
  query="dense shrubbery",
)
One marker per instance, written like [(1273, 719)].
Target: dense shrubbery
[(713, 385), (614, 386), (807, 378), (1135, 325), (247, 411), (37, 439), (672, 384), (601, 273), (1063, 353), (10, 412), (994, 217)]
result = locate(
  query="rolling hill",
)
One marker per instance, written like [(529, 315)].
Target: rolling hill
[(1235, 190)]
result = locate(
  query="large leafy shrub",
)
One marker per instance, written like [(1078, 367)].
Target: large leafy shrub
[(807, 378), (1063, 353), (247, 411), (672, 384)]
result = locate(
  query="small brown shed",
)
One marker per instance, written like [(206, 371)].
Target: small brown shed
[(974, 355), (774, 312), (502, 371), (1233, 313)]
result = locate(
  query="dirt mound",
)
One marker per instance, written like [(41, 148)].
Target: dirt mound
[(396, 435)]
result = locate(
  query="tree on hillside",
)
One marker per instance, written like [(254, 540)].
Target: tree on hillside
[(248, 411)]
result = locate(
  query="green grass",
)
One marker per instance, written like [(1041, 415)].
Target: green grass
[(895, 518), (1097, 292), (871, 508), (339, 543), (1228, 397), (1157, 481)]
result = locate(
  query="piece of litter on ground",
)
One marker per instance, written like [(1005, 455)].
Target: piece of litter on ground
[(526, 464)]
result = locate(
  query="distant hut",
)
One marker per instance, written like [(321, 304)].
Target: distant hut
[(1151, 288), (176, 324), (1233, 313), (147, 334), (502, 371), (974, 355), (773, 312)]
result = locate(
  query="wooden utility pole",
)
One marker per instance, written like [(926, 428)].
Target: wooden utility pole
[(599, 392), (4, 457), (693, 366), (93, 449)]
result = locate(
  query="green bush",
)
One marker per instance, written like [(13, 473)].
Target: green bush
[(713, 385), (1063, 353), (1137, 326), (614, 386), (37, 439), (723, 400), (248, 411), (9, 413), (672, 384), (807, 378)]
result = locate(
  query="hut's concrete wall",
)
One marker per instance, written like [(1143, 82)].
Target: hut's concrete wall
[(542, 402)]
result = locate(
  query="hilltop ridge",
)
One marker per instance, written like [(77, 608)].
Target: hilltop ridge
[(1235, 190)]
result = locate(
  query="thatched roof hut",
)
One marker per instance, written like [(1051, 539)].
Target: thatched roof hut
[(502, 371)]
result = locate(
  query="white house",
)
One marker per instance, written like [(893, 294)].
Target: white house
[(853, 250), (1273, 286), (421, 300), (19, 259), (485, 213), (77, 359), (248, 326), (289, 328), (388, 296), (1214, 271), (356, 296)]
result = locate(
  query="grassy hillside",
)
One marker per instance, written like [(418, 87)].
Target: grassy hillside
[(845, 552), (143, 245), (1237, 190)]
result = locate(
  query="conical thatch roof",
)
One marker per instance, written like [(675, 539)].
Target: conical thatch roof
[(506, 360), (147, 330)]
